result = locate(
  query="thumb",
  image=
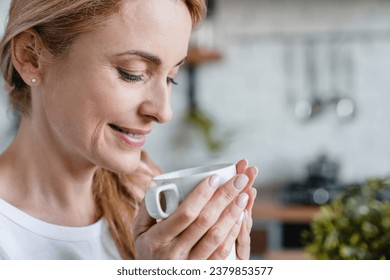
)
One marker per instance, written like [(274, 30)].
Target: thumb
[(142, 222)]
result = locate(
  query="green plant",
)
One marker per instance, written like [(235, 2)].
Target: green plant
[(206, 126), (354, 226)]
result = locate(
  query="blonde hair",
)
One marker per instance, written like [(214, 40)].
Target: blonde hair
[(59, 22)]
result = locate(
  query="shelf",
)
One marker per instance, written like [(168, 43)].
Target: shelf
[(288, 254), (284, 213), (197, 56), (268, 206)]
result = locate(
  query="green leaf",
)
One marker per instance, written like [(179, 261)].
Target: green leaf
[(355, 225)]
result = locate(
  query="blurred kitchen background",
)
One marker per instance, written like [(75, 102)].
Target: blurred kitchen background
[(299, 88)]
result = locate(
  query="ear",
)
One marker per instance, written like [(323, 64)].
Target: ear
[(27, 56)]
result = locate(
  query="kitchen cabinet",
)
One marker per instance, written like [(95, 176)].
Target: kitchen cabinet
[(274, 222)]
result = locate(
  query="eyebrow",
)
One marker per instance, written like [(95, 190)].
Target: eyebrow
[(150, 57)]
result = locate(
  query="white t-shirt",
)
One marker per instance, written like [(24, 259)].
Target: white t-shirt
[(23, 237)]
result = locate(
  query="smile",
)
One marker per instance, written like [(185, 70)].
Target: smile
[(114, 127), (133, 138)]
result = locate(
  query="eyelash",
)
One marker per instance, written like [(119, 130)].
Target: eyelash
[(138, 78), (172, 81), (129, 77)]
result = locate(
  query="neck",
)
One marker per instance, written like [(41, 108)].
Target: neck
[(45, 180)]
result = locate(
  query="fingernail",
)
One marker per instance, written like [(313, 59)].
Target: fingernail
[(257, 171), (214, 181), (254, 191), (239, 221), (241, 181), (242, 200)]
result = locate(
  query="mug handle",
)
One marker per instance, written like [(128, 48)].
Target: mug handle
[(153, 204)]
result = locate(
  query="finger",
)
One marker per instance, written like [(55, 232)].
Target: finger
[(251, 172), (243, 244), (241, 166), (189, 209), (252, 196), (224, 251), (211, 212), (243, 240), (142, 222), (218, 233)]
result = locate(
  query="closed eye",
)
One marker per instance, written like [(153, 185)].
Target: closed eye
[(130, 77), (171, 81)]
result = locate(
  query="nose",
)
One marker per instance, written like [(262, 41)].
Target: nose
[(157, 106)]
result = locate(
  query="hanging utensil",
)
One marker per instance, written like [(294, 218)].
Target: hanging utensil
[(345, 106), (334, 70), (310, 107), (289, 61)]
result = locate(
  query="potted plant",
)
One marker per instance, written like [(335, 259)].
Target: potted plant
[(354, 226)]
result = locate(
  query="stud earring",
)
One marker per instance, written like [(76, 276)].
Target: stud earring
[(33, 80)]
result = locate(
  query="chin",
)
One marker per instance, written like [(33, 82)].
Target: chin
[(122, 164)]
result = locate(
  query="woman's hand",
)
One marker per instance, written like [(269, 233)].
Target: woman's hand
[(205, 226), (243, 229), (244, 240)]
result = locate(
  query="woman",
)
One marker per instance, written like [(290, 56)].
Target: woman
[(90, 78)]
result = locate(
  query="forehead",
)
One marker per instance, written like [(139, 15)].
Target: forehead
[(161, 28), (147, 24), (160, 10)]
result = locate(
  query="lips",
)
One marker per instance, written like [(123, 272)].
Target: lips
[(124, 130), (133, 137)]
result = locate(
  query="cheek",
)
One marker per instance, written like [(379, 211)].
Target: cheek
[(82, 95), (110, 98), (73, 107), (80, 105)]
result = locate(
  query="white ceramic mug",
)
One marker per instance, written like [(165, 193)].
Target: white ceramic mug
[(175, 187)]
